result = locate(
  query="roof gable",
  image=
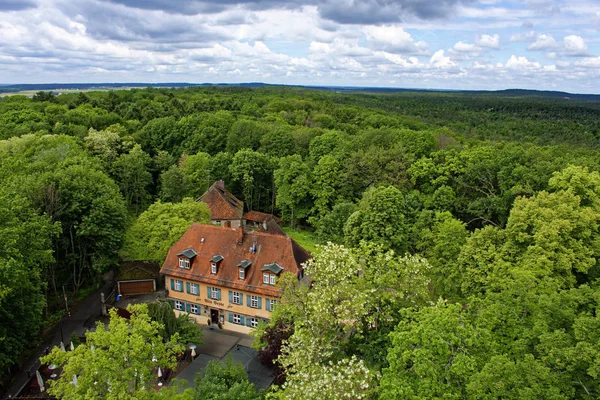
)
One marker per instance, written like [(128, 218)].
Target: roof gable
[(221, 203)]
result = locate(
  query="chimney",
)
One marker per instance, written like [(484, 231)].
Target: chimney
[(240, 231), (220, 184)]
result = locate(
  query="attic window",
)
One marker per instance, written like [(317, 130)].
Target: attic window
[(185, 258), (184, 263), (270, 271), (243, 265), (214, 263)]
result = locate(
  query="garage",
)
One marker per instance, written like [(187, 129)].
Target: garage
[(137, 286)]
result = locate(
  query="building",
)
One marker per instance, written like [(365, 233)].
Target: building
[(228, 211), (225, 209), (228, 276)]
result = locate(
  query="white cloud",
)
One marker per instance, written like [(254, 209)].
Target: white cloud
[(440, 60), (462, 47), (393, 39), (575, 46), (522, 63), (490, 41), (542, 42), (590, 62)]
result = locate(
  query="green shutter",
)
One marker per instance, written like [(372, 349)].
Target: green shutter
[(172, 303), (268, 304), (230, 317), (260, 303), (248, 300), (248, 322), (208, 292), (188, 307), (172, 284), (187, 287), (218, 294), (230, 296), (242, 320)]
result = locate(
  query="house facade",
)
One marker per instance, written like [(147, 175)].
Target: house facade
[(228, 276)]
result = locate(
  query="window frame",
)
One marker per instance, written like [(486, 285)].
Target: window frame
[(178, 285), (272, 279), (242, 274), (213, 268), (197, 307), (195, 289), (184, 263), (239, 319), (253, 322), (214, 293), (253, 301), (240, 297), (179, 305), (266, 278)]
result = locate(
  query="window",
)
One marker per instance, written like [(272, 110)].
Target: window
[(194, 309), (236, 298), (270, 304), (253, 322), (184, 263), (178, 305), (215, 293), (254, 301), (178, 285), (195, 289), (268, 279), (237, 319), (242, 273), (213, 268)]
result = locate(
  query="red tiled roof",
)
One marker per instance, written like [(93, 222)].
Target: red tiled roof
[(257, 216), (222, 204), (219, 240)]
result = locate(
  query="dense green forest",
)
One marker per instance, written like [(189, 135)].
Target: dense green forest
[(460, 231)]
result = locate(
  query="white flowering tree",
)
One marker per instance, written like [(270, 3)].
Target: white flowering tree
[(352, 291)]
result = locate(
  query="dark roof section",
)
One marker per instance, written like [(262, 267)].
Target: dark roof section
[(219, 240), (222, 204), (273, 267), (245, 263), (189, 253), (257, 216), (217, 258)]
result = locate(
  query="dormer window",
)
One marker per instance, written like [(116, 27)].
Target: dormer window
[(214, 263), (243, 266), (185, 258), (270, 273)]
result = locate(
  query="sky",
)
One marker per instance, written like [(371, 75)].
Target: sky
[(432, 44)]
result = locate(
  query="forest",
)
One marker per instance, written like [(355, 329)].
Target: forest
[(458, 233)]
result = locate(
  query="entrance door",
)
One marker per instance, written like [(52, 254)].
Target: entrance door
[(214, 316)]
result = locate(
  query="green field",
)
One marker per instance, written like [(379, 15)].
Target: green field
[(306, 239)]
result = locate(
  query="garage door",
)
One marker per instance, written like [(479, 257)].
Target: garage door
[(146, 286)]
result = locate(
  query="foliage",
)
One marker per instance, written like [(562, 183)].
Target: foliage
[(186, 329), (159, 227), (225, 381), (114, 363), (25, 253)]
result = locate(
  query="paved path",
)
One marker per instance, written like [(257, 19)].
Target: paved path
[(82, 318)]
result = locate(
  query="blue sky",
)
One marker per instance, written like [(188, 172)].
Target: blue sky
[(444, 44)]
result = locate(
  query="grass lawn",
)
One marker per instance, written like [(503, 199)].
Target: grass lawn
[(306, 239)]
